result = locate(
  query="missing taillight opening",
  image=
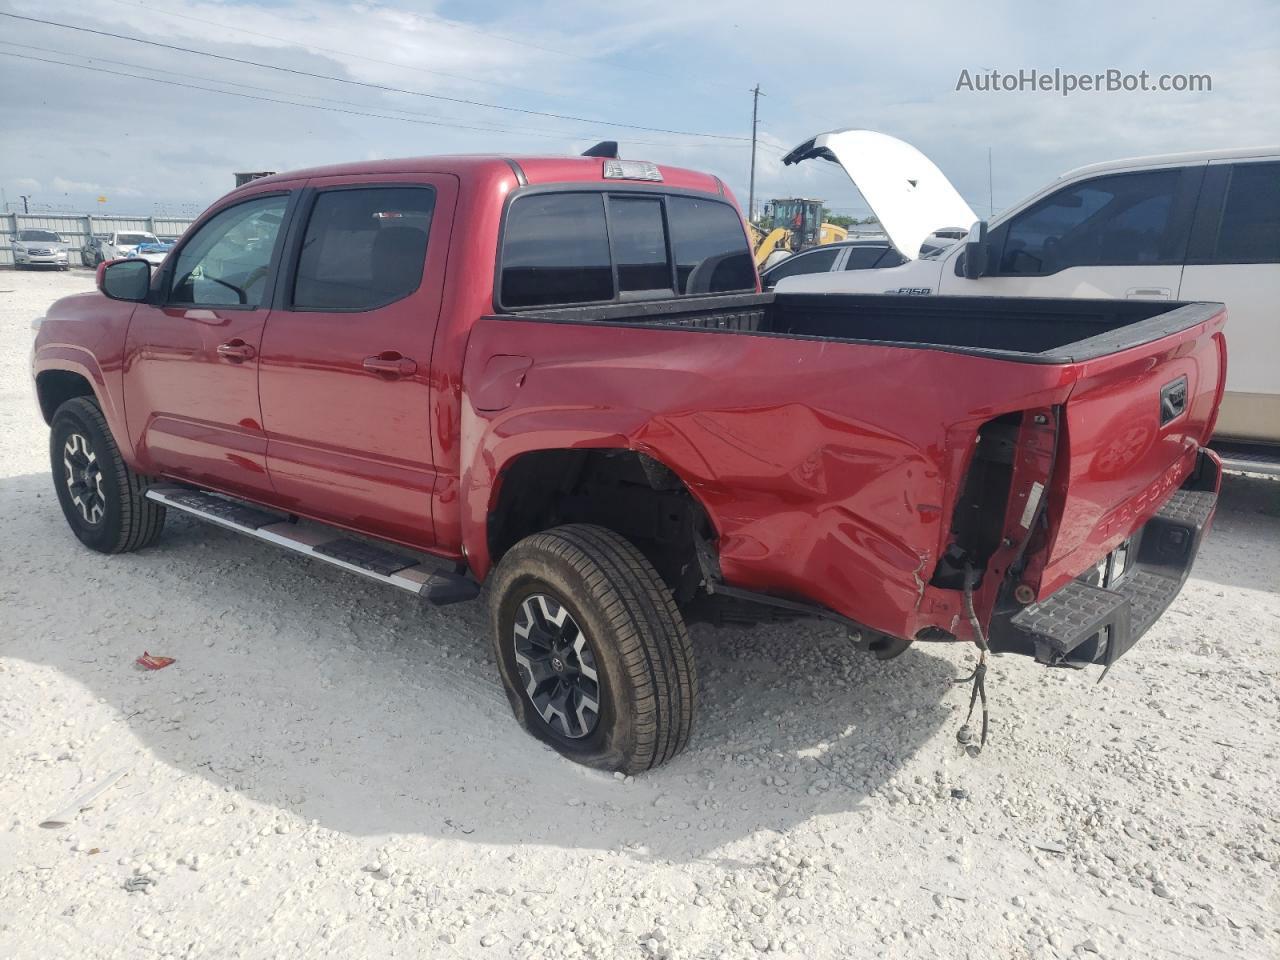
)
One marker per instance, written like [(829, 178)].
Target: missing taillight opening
[(978, 520)]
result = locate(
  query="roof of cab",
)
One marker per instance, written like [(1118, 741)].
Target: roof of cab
[(1170, 159), (536, 170)]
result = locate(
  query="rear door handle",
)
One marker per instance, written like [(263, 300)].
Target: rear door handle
[(1148, 293), (390, 364), (236, 350)]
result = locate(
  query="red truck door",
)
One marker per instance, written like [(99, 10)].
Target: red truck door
[(191, 368), (345, 369)]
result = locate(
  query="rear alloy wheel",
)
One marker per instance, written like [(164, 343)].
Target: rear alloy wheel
[(557, 666), (103, 500), (593, 652)]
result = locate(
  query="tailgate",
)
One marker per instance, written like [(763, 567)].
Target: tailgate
[(1134, 423)]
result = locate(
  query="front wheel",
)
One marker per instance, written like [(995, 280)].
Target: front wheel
[(594, 654), (103, 500)]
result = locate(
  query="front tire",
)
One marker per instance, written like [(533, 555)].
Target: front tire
[(102, 499), (594, 655)]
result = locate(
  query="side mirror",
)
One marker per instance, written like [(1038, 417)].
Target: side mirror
[(977, 252), (125, 279)]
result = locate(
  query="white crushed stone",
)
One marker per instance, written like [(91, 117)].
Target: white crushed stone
[(343, 777)]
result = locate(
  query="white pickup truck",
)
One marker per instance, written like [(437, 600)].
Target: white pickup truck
[(1190, 226)]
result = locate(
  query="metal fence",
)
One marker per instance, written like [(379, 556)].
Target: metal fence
[(76, 229)]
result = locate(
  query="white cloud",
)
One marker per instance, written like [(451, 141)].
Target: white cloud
[(681, 66), (63, 185)]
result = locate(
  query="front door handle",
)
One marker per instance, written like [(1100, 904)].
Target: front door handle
[(391, 365), (236, 350)]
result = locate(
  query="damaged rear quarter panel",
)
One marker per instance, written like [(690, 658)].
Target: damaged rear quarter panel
[(828, 470)]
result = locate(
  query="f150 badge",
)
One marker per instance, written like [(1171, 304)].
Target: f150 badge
[(912, 291)]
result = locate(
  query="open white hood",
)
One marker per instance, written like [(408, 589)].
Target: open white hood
[(906, 191)]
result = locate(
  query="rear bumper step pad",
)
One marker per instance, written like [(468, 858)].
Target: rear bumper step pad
[(370, 560), (1083, 623)]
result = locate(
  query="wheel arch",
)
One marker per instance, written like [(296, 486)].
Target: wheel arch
[(56, 386), (63, 371), (628, 491)]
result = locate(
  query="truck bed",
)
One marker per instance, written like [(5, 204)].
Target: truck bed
[(1025, 329), (846, 447)]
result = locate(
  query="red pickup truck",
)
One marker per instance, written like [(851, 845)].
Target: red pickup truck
[(558, 375)]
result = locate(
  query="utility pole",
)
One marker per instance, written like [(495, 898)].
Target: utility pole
[(755, 116), (27, 209)]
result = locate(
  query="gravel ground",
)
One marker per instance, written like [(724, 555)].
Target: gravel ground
[(330, 769)]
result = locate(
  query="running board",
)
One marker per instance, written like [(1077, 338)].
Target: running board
[(1249, 458), (321, 543)]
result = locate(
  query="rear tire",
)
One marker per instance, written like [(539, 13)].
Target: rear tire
[(103, 500), (593, 652)]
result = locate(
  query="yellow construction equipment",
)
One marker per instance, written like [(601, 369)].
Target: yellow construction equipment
[(792, 225)]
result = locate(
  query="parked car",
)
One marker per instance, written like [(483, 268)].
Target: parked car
[(124, 242), (153, 253), (846, 255), (91, 252), (438, 372), (1187, 226), (38, 248)]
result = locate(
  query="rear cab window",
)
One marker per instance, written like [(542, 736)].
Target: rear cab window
[(575, 247)]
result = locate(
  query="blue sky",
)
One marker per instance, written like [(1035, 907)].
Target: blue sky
[(71, 135)]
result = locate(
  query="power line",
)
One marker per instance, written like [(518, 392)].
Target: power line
[(309, 106), (371, 86), (330, 50), (289, 93)]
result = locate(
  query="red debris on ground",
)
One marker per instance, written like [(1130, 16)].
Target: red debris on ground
[(152, 662)]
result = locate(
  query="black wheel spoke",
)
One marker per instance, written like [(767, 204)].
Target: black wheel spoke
[(557, 666), (83, 475)]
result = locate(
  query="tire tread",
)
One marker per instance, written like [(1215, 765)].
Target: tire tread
[(647, 629), (142, 520)]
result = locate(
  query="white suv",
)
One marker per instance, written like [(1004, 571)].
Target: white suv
[(125, 242)]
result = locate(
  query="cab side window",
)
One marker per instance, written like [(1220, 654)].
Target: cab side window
[(363, 248), (819, 261), (1120, 220), (1250, 228), (864, 258), (227, 261)]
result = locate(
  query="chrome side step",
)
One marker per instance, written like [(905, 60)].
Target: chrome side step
[(321, 543)]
